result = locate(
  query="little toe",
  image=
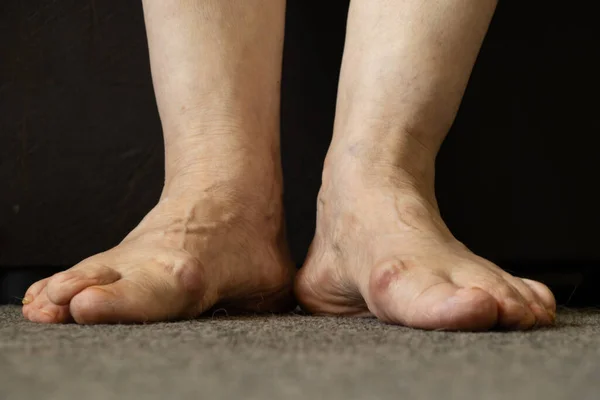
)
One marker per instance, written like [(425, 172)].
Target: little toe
[(64, 285), (34, 290), (544, 294), (542, 316), (32, 295)]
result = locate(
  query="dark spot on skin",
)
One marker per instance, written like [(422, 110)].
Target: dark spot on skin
[(337, 249), (354, 149)]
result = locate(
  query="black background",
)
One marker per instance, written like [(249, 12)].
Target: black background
[(81, 147)]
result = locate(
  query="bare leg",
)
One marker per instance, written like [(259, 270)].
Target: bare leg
[(381, 247), (216, 236)]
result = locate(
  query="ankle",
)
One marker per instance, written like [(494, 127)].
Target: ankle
[(368, 165), (231, 198), (223, 167)]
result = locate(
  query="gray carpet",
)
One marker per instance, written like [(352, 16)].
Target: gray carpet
[(296, 357)]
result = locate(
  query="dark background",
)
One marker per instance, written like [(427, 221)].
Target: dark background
[(81, 147)]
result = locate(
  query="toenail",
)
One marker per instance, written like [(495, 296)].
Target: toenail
[(536, 308), (26, 300), (552, 314)]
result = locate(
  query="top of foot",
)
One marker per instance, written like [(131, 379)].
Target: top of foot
[(187, 256)]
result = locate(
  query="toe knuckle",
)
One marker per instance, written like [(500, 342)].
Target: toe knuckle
[(188, 273), (388, 273), (60, 278), (98, 272), (497, 287), (524, 290), (504, 290)]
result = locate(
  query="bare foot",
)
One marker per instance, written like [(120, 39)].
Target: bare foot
[(187, 256), (216, 237), (382, 249)]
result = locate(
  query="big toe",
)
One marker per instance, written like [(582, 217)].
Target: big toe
[(62, 287), (428, 301), (135, 299)]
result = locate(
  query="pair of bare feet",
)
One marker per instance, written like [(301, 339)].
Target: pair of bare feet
[(380, 249), (216, 237)]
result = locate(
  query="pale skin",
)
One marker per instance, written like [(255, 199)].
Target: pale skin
[(216, 237)]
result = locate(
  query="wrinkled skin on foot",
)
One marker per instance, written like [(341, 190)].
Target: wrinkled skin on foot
[(185, 257), (382, 249)]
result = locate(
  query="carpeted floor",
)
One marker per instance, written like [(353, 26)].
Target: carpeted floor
[(296, 357)]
